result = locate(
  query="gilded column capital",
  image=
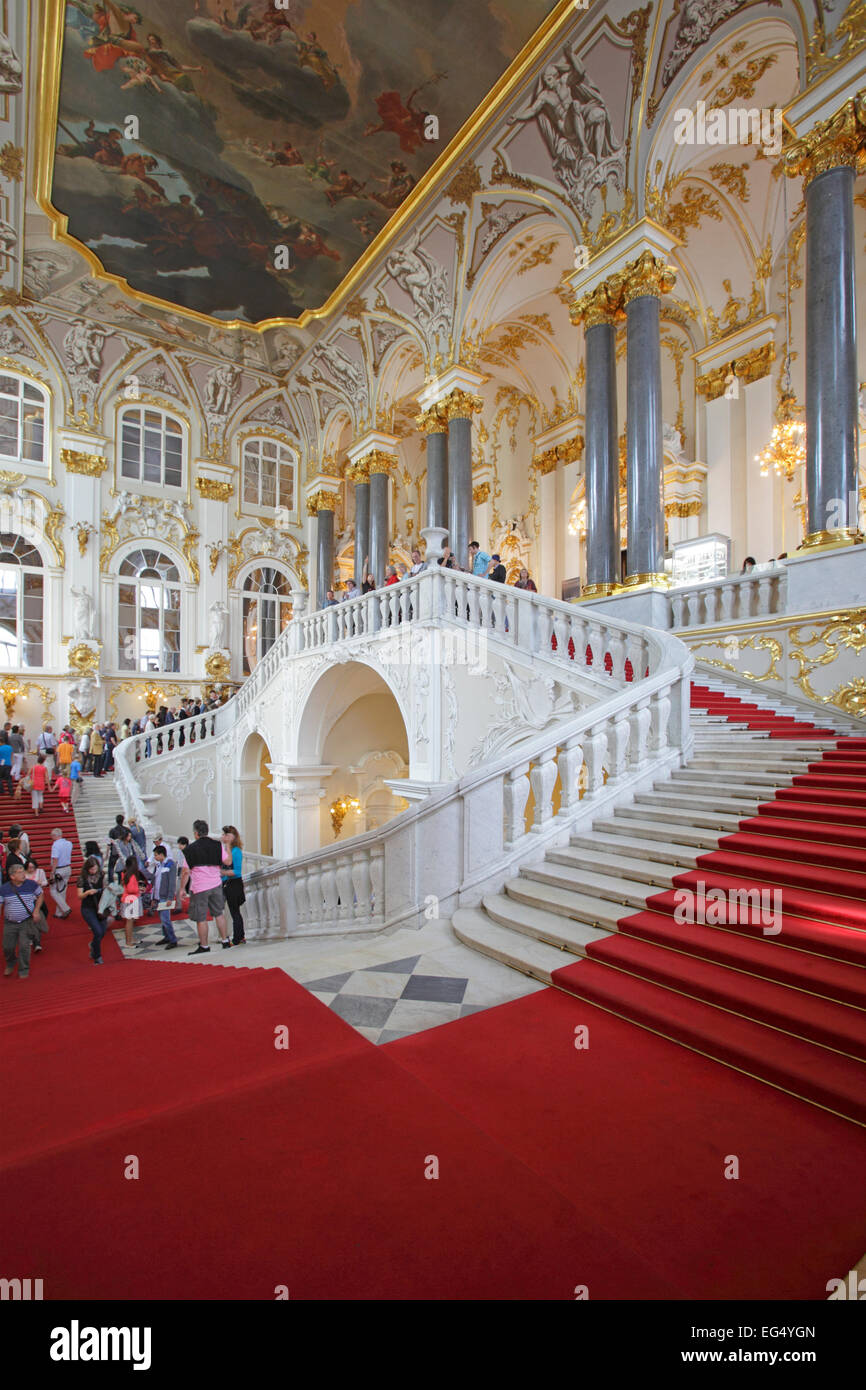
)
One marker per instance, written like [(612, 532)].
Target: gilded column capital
[(648, 275), (460, 405), (752, 366), (321, 502), (433, 421), (380, 462), (358, 472), (90, 465), (567, 452), (601, 305), (214, 489), (831, 144)]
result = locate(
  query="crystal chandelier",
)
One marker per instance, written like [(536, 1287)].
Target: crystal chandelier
[(786, 451)]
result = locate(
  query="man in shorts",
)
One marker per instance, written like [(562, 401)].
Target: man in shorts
[(204, 858), (20, 901)]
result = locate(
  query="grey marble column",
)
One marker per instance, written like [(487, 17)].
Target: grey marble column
[(362, 527), (644, 436), (831, 356), (437, 477), (324, 554), (379, 528), (460, 487), (601, 461)]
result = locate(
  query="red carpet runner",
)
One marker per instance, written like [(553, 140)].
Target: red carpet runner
[(306, 1165)]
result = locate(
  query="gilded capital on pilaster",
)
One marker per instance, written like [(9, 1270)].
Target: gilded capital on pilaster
[(358, 472), (433, 421), (649, 274), (601, 305), (321, 502), (831, 144), (460, 405), (90, 465)]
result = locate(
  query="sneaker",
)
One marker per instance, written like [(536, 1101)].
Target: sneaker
[(171, 945), (25, 976), (36, 950), (200, 951), (10, 970), (97, 960), (242, 942), (225, 945)]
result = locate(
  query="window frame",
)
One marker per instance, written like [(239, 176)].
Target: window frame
[(24, 381), (275, 599), (19, 570), (142, 408), (136, 581), (260, 508)]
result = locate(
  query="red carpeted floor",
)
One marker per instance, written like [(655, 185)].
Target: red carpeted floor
[(306, 1166)]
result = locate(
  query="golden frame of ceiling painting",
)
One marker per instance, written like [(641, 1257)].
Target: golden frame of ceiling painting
[(247, 167)]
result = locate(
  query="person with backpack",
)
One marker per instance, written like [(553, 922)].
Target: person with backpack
[(47, 744)]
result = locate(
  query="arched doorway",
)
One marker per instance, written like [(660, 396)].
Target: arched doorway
[(257, 816), (352, 728)]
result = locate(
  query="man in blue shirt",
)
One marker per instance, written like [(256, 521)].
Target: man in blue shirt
[(75, 777), (5, 765), (20, 901), (163, 893), (479, 560)]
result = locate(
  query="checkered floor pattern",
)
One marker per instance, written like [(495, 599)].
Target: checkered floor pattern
[(392, 1000)]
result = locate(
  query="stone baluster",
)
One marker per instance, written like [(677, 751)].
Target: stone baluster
[(570, 762), (617, 746), (660, 713), (729, 590), (345, 890), (302, 899), (677, 610), (314, 892), (362, 883), (639, 728), (542, 778), (377, 882), (594, 749), (516, 795), (765, 591), (329, 889)]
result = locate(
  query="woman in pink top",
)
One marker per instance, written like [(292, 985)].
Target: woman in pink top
[(39, 783), (130, 902)]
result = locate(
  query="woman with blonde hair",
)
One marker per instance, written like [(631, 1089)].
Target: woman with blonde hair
[(232, 881)]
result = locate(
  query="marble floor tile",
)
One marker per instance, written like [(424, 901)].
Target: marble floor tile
[(362, 1011), (439, 989)]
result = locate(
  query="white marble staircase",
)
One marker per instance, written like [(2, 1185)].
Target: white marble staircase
[(549, 913)]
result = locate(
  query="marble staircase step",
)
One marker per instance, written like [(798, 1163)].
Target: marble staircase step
[(562, 919), (474, 928)]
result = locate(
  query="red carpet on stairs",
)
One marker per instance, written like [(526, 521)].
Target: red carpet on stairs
[(309, 1165)]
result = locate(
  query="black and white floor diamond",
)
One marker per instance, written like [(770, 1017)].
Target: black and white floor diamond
[(395, 998)]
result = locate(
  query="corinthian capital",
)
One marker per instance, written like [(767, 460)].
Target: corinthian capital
[(647, 275), (601, 305), (831, 144)]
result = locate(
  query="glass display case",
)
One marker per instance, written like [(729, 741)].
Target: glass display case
[(700, 560)]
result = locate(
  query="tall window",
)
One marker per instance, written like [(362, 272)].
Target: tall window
[(148, 613), (22, 589), (269, 474), (23, 408), (151, 447), (267, 610)]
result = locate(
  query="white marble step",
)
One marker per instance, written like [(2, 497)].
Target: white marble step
[(598, 915), (660, 829), (651, 873), (700, 801), (636, 846), (624, 892), (759, 784), (745, 763), (705, 820), (553, 915), (474, 928)]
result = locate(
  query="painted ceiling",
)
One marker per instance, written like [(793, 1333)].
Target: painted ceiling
[(272, 144)]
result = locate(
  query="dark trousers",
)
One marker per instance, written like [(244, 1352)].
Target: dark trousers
[(5, 779), (97, 927), (233, 892)]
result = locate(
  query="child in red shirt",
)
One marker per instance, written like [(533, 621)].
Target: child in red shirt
[(63, 787)]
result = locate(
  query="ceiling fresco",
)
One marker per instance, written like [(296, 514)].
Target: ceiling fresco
[(237, 159)]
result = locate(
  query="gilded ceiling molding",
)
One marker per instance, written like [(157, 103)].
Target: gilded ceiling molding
[(465, 184), (832, 144), (213, 490), (848, 38), (89, 465), (189, 546), (321, 501), (737, 313), (683, 509)]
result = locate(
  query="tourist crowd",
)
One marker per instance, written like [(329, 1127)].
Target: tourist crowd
[(478, 562)]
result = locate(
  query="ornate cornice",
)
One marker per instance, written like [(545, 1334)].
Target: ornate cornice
[(752, 366), (321, 501), (433, 421), (648, 275), (683, 509), (214, 490), (604, 304), (568, 452), (90, 465), (832, 144), (460, 405)]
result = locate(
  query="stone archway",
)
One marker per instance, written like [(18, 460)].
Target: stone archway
[(257, 817)]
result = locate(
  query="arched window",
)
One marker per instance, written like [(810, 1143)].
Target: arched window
[(148, 613), (151, 447), (267, 610), (22, 589), (269, 474), (23, 411)]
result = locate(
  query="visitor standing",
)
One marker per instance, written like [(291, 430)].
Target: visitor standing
[(91, 882), (204, 857), (19, 748), (20, 900), (524, 582), (163, 893), (5, 765), (232, 881), (47, 744), (130, 898), (61, 871), (479, 560), (39, 783)]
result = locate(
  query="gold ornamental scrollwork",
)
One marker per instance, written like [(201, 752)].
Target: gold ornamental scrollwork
[(683, 509), (84, 657), (53, 530), (432, 421), (752, 366), (217, 666), (772, 645), (214, 490), (831, 144), (604, 304), (568, 452), (847, 629), (380, 462), (481, 494), (110, 542), (189, 546), (88, 465)]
